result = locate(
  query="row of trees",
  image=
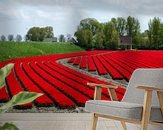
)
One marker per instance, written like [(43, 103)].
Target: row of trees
[(92, 34), (11, 37), (18, 38), (40, 34)]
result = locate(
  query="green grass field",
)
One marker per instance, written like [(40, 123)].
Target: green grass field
[(10, 50)]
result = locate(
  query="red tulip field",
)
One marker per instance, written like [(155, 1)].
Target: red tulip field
[(119, 64), (64, 87)]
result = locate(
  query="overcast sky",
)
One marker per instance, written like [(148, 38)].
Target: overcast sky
[(17, 16)]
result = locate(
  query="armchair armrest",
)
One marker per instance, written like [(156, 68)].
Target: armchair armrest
[(149, 88), (98, 89), (102, 85)]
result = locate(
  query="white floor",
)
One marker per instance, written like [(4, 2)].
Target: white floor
[(59, 121)]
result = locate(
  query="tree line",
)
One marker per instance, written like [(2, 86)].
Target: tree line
[(38, 34), (11, 38), (92, 34), (33, 34)]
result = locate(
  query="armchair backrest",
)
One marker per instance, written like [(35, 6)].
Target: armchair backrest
[(143, 77)]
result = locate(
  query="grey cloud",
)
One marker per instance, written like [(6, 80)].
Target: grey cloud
[(65, 15), (44, 2), (121, 6)]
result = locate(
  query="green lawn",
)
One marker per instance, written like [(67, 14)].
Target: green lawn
[(10, 50)]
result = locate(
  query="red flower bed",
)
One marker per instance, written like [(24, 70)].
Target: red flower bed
[(83, 64), (121, 64), (61, 86), (126, 74), (71, 60), (100, 68), (77, 61), (3, 95), (64, 84), (91, 64), (57, 96), (28, 85), (110, 69), (11, 80), (65, 87)]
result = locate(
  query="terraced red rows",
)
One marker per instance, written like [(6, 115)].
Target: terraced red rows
[(64, 87), (121, 64), (61, 86)]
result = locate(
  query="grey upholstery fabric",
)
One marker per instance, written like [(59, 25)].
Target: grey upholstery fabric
[(115, 108), (140, 77), (131, 111), (131, 105)]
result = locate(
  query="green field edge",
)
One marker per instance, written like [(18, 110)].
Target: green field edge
[(10, 50)]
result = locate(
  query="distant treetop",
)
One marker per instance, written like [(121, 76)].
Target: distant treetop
[(39, 34)]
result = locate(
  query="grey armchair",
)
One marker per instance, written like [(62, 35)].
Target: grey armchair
[(141, 104)]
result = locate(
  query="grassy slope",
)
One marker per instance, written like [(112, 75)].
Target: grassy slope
[(10, 50)]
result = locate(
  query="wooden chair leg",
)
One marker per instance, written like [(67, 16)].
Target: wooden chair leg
[(94, 121), (124, 125), (144, 126), (146, 110), (160, 98)]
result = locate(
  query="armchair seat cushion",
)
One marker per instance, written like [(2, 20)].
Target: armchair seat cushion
[(131, 111)]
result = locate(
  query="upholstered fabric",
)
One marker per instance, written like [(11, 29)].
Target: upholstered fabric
[(132, 111), (115, 108), (148, 77)]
